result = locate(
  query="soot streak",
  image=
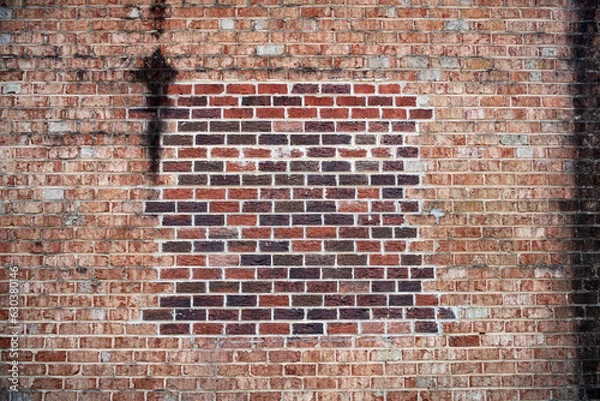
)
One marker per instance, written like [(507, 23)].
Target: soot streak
[(156, 74)]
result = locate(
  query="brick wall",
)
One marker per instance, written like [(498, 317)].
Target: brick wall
[(299, 200)]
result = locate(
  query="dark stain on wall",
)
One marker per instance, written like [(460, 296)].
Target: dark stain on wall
[(158, 10), (156, 74), (585, 42)]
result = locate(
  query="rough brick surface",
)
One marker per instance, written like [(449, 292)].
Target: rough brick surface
[(299, 200)]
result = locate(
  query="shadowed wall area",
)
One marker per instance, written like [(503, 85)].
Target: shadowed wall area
[(586, 283)]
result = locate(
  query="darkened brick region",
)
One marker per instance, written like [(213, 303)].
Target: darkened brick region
[(330, 207)]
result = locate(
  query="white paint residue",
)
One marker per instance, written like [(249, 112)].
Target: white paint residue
[(438, 214)]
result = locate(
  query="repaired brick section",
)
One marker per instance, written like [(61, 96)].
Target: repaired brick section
[(317, 212)]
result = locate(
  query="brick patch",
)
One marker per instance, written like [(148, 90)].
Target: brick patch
[(291, 198)]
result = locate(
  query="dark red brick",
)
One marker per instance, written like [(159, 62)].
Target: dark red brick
[(174, 329), (241, 300), (190, 314), (307, 328), (209, 300)]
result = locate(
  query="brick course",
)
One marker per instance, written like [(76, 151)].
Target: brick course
[(300, 200)]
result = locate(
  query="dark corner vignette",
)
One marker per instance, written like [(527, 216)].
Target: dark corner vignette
[(585, 43)]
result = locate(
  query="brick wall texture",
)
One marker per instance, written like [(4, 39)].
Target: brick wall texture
[(311, 200)]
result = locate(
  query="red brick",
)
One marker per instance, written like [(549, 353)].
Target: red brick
[(464, 341), (51, 356), (294, 112), (241, 220), (395, 114), (270, 112), (420, 114), (319, 101), (208, 328), (222, 101), (360, 113), (334, 113), (342, 328), (237, 113), (351, 101), (364, 88), (273, 88), (208, 89), (389, 88), (242, 89), (178, 89)]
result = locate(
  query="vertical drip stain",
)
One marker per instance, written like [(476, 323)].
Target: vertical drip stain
[(585, 43), (159, 15), (156, 74)]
